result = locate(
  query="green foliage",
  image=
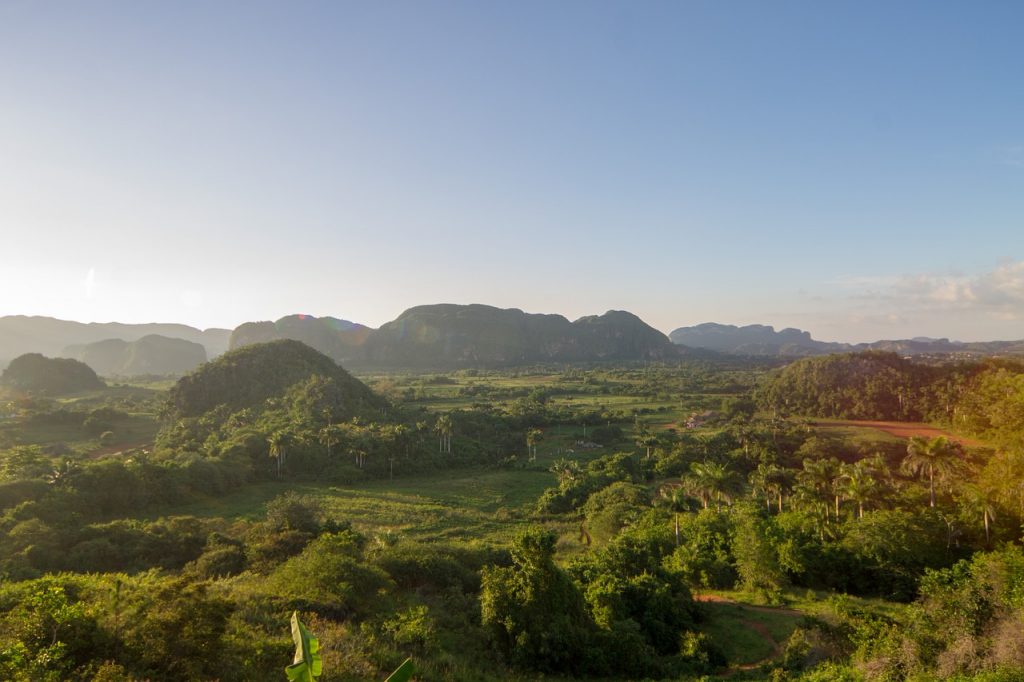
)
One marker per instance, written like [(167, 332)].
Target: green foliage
[(534, 612), (330, 575), (307, 664), (248, 376), (754, 546)]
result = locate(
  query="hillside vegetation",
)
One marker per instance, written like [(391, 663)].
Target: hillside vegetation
[(249, 376), (36, 373), (519, 524)]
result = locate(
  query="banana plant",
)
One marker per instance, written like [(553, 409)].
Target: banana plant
[(308, 665), (403, 673)]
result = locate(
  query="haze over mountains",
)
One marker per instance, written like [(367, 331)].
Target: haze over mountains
[(432, 336), (762, 340)]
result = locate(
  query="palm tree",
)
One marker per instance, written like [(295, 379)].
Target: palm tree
[(816, 481), (713, 480), (330, 436), (567, 471), (675, 497), (533, 436), (772, 481), (62, 473), (643, 437), (444, 429), (935, 458), (278, 441), (982, 500), (858, 484)]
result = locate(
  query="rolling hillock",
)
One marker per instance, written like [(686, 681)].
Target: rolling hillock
[(36, 373), (248, 376)]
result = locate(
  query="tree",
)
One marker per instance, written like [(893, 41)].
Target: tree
[(643, 437), (757, 560), (533, 610), (816, 481), (278, 442), (935, 458), (444, 430), (857, 483), (533, 436), (568, 471), (982, 501), (330, 435), (711, 480), (772, 481), (675, 498)]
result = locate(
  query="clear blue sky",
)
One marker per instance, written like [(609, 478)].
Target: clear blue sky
[(855, 169)]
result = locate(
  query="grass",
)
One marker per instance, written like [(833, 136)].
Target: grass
[(739, 630), (459, 504)]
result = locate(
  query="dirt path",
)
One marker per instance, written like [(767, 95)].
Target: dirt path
[(121, 447), (714, 598), (898, 429)]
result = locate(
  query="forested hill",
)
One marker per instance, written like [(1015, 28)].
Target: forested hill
[(35, 373), (153, 354), (248, 376), (984, 398)]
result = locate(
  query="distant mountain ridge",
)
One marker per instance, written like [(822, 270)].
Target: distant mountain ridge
[(152, 354), (763, 340), (446, 335), (20, 334), (331, 336), (440, 336), (450, 335)]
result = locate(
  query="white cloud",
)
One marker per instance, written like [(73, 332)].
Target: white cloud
[(999, 292)]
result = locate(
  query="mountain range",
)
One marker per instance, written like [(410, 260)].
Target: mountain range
[(437, 336), (762, 340)]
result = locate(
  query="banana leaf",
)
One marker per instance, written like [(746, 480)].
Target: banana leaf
[(307, 665), (403, 673)]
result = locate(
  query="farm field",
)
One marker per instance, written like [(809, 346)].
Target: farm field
[(897, 429)]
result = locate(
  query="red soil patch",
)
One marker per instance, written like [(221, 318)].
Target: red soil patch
[(725, 600), (899, 429), (117, 449)]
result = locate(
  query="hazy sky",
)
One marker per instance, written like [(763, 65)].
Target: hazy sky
[(855, 169)]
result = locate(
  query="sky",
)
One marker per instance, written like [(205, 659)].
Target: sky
[(855, 169)]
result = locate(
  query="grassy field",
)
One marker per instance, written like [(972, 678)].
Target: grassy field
[(464, 504), (748, 634)]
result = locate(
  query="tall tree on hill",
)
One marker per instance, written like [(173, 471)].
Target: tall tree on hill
[(935, 458), (330, 436), (278, 442)]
